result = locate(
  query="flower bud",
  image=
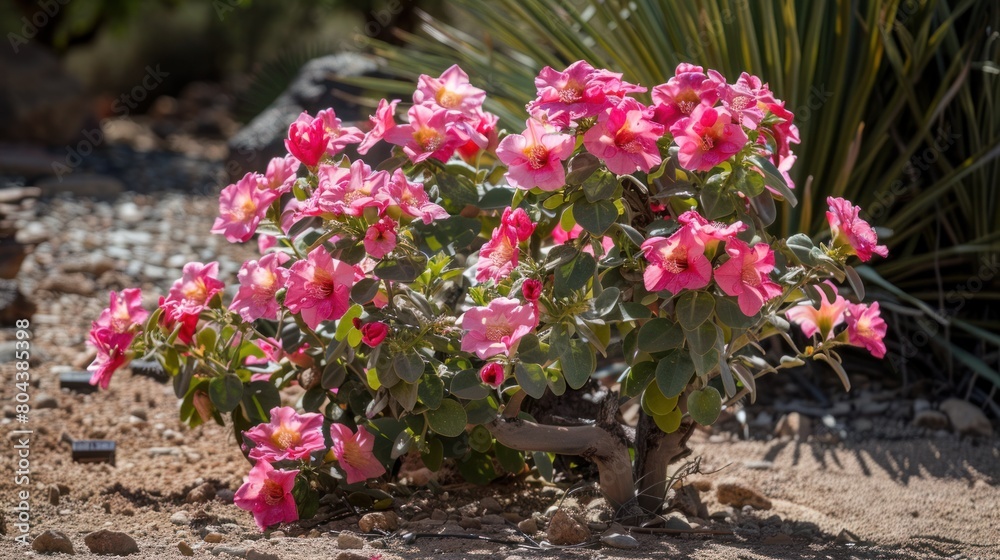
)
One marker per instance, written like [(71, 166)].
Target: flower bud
[(492, 374), (373, 334), (531, 289)]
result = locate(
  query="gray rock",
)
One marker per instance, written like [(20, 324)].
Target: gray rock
[(253, 554), (44, 400), (966, 418), (564, 530), (51, 542), (111, 543), (230, 551), (348, 555), (40, 102), (181, 518), (931, 419), (313, 89), (616, 540), (82, 184), (490, 505), (470, 523), (348, 541)]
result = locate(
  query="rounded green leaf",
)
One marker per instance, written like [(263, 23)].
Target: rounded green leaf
[(595, 217), (694, 308), (226, 392), (480, 439), (705, 405), (449, 419), (659, 335), (578, 363), (531, 378), (409, 366), (433, 455), (467, 385), (668, 422), (655, 402), (673, 372)]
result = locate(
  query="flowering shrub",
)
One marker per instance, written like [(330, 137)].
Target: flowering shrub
[(419, 303)]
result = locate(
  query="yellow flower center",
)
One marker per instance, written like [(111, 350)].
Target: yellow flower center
[(285, 437), (537, 155), (448, 99), (272, 492), (428, 139)]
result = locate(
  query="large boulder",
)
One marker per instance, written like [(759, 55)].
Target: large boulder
[(314, 88), (39, 102)]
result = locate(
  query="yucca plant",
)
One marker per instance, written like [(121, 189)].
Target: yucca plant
[(896, 101)]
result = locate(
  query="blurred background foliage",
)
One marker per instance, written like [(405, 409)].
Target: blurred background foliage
[(898, 103)]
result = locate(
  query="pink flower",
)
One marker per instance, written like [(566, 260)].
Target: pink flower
[(280, 175), (849, 230), (560, 236), (745, 275), (866, 328), (744, 100), (241, 207), (785, 132), (380, 239), (625, 138), (498, 256), (289, 436), (430, 133), (259, 282), (678, 97), (412, 200), (531, 289), (534, 158), (486, 131), (112, 353), (265, 242), (451, 91), (519, 221), (338, 137), (354, 453), (492, 374), (822, 320), (497, 328), (707, 138), (307, 139), (319, 287), (124, 311), (382, 122), (373, 334), (676, 263), (267, 494), (196, 287), (578, 92), (180, 317), (711, 233)]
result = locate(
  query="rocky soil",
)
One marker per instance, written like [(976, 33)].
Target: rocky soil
[(872, 474)]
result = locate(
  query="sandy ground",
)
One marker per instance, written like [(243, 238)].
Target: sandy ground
[(905, 498)]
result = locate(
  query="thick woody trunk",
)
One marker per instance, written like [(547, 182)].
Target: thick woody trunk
[(655, 451), (603, 442)]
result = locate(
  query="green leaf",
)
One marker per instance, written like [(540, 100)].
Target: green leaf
[(450, 234), (430, 391), (673, 372), (705, 405), (543, 462), (449, 419), (226, 392), (467, 385), (702, 339), (480, 439), (694, 308), (483, 410), (705, 363), (763, 204), (259, 397), (408, 365), (855, 281), (364, 290), (632, 311), (477, 468), (511, 460), (558, 341), (531, 378), (458, 189), (837, 367), (314, 399), (595, 217), (346, 323), (333, 375), (655, 402), (434, 455), (581, 167), (530, 350), (496, 198), (600, 186), (574, 274), (402, 269), (631, 234), (638, 376), (578, 363), (774, 179), (206, 338), (727, 309), (660, 334), (669, 422), (405, 394), (306, 499), (716, 202)]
